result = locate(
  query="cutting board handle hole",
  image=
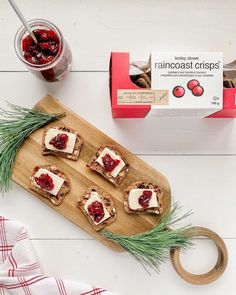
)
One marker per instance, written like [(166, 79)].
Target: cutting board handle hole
[(215, 272)]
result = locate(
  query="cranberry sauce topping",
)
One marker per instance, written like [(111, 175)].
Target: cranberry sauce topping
[(45, 182), (59, 141), (44, 51), (109, 163), (95, 209), (145, 198)]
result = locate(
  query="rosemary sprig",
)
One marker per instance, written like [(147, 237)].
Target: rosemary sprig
[(15, 125), (151, 248)]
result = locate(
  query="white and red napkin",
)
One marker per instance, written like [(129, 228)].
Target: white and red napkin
[(20, 272)]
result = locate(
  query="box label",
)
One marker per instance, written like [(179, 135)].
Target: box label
[(194, 79), (142, 97)]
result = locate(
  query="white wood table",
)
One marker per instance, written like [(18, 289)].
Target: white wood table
[(197, 156)]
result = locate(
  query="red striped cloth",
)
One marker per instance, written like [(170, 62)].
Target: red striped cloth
[(20, 272)]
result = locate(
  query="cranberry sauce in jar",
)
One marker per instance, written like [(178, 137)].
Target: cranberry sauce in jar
[(49, 59)]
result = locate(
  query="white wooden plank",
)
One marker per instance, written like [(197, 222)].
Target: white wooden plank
[(88, 95), (205, 184), (95, 28), (86, 261)]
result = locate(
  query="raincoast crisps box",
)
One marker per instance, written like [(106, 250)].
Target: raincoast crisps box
[(171, 84)]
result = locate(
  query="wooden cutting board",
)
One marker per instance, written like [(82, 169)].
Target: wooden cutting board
[(82, 177)]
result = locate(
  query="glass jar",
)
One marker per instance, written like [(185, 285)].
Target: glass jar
[(54, 70)]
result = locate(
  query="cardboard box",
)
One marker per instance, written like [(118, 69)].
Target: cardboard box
[(121, 88)]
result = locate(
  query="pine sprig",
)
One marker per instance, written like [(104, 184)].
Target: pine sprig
[(151, 248), (16, 124)]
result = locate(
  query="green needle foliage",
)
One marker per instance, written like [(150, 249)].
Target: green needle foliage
[(15, 125), (151, 248)]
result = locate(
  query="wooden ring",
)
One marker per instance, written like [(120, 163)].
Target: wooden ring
[(215, 272)]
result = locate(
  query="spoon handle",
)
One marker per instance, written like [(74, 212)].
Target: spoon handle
[(23, 20)]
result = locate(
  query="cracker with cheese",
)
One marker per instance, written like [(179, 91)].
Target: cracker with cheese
[(143, 197), (62, 142), (50, 182), (109, 162), (97, 205)]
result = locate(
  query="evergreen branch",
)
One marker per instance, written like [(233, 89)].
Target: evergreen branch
[(16, 125), (151, 248)]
